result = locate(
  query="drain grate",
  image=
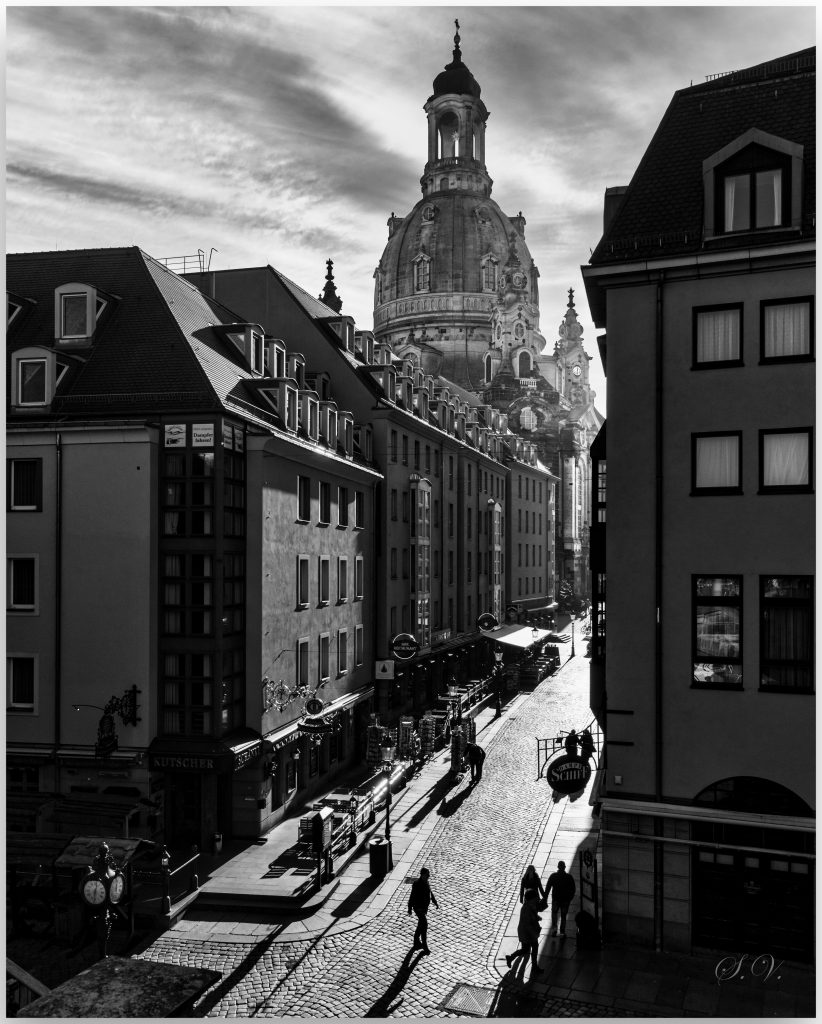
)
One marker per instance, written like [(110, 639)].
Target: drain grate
[(473, 1000), (275, 871)]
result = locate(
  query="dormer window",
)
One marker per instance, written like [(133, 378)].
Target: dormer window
[(275, 358), (347, 432), (296, 368), (32, 378), (256, 351), (753, 184), (77, 308), (422, 273), (309, 419), (328, 424)]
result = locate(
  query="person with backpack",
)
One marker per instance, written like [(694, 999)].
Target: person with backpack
[(563, 888)]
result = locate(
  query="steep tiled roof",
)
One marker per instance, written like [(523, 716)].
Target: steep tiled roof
[(661, 214), (155, 347), (315, 308)]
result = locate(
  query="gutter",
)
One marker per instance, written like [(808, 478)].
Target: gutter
[(659, 349), (58, 599)]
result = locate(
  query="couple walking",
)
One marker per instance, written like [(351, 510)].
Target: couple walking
[(531, 892)]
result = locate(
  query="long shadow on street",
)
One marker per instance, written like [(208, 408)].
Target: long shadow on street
[(449, 807), (436, 796), (385, 1004), (356, 898)]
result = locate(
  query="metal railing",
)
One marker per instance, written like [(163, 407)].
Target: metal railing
[(21, 988), (198, 263)]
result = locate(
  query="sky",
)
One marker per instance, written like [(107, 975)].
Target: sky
[(287, 135)]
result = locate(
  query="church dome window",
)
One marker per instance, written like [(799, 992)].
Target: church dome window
[(429, 212), (422, 273), (489, 368), (524, 364), (489, 272), (519, 332)]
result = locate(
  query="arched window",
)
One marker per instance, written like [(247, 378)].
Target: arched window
[(422, 273), (524, 364), (448, 127), (527, 419), (488, 368), (443, 184), (489, 272), (752, 795)]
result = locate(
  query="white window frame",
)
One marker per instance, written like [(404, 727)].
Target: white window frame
[(300, 517), (342, 652), (93, 310), (324, 658), (324, 515), (303, 581), (359, 510), (13, 506), (22, 708), (359, 577), (28, 609), (303, 662), (324, 580), (359, 647), (342, 579), (21, 362), (342, 506)]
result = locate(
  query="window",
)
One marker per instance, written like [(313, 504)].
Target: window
[(342, 579), (785, 460), (422, 273), (324, 659), (21, 584), (304, 498), (358, 645), (786, 633), (325, 503), (393, 563), (489, 273), (302, 581), (302, 662), (76, 309), (393, 446), (786, 330), (393, 502), (359, 510), (717, 635), (715, 463), (717, 333), (32, 376), (359, 577), (21, 678), (25, 485), (324, 586), (342, 652), (342, 506), (405, 449)]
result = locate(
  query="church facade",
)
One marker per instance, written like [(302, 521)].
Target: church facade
[(457, 294)]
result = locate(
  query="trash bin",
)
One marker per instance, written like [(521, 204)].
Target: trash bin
[(218, 842), (379, 855)]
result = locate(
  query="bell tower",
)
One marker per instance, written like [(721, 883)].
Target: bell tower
[(456, 131)]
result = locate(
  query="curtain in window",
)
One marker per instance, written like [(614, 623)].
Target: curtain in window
[(717, 335), (737, 202), (768, 198), (788, 633), (786, 462), (787, 330), (717, 461)]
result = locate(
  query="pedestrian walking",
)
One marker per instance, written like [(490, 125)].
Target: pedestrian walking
[(586, 744), (531, 880), (497, 691), (571, 743), (563, 888), (476, 756), (528, 932), (420, 899)]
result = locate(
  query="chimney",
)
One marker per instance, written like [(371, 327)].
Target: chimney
[(613, 197)]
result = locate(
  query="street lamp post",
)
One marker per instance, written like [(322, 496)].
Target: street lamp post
[(498, 656), (573, 649), (387, 751)]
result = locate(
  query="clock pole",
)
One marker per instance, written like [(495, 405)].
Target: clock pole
[(101, 890)]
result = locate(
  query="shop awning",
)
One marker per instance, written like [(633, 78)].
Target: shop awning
[(518, 636), (81, 850), (229, 753)]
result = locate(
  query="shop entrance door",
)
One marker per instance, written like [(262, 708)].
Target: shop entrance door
[(183, 809), (754, 903)]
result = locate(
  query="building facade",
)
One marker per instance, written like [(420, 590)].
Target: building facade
[(189, 535), (704, 281), (457, 294)]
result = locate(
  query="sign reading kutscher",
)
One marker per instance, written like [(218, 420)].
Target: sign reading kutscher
[(568, 774), (404, 646)]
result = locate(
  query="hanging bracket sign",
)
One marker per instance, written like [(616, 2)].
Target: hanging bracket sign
[(568, 774), (487, 621), (405, 646)]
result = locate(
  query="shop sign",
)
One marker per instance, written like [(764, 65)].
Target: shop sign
[(181, 762), (487, 621), (404, 646), (202, 435), (439, 636), (228, 436), (568, 774), (239, 439), (175, 435), (384, 669), (316, 726), (242, 757)]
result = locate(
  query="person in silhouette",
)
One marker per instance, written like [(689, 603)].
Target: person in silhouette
[(528, 929), (476, 756), (586, 743), (419, 901), (571, 743), (531, 880), (563, 887)]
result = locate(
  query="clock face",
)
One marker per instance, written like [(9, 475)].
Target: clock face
[(519, 281), (115, 890), (94, 892), (577, 371)]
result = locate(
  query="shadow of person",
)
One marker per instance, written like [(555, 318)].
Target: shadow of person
[(435, 795), (449, 807), (386, 1001)]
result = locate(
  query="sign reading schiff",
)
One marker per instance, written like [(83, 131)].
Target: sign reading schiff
[(568, 774)]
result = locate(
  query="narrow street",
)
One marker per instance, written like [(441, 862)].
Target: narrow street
[(482, 840)]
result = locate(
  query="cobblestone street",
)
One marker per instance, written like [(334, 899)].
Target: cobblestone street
[(483, 838)]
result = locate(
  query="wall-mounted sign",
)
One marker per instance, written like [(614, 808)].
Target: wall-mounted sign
[(404, 646), (487, 621), (239, 439), (384, 669), (202, 435), (243, 757), (314, 706), (440, 636), (228, 436), (175, 435), (568, 774)]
